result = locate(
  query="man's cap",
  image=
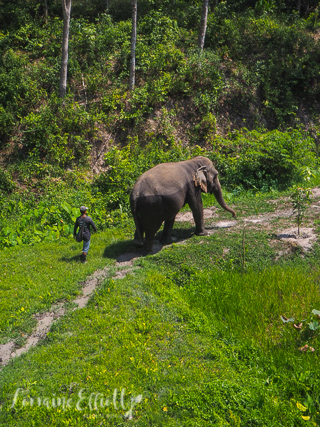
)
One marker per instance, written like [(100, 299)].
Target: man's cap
[(83, 209)]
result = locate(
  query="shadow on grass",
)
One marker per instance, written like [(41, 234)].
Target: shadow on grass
[(126, 250), (181, 234), (75, 258), (212, 228), (115, 250)]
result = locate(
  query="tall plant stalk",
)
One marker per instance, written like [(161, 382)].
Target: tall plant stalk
[(66, 9), (299, 201), (203, 24), (132, 77)]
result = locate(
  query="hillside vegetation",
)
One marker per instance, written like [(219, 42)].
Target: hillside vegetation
[(249, 102)]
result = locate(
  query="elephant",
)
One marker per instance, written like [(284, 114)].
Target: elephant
[(159, 194)]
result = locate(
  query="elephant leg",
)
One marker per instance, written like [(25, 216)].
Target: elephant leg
[(196, 207), (138, 234), (138, 238), (148, 244), (166, 234), (150, 232)]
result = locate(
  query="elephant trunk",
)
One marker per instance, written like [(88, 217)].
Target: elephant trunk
[(218, 195)]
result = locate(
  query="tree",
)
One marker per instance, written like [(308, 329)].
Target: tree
[(45, 11), (203, 24), (66, 8), (133, 45)]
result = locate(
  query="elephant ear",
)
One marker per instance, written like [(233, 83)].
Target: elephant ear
[(200, 179)]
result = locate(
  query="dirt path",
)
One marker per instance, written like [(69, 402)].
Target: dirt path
[(45, 320), (278, 221)]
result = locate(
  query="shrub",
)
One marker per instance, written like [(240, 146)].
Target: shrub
[(204, 71), (280, 59), (6, 183), (261, 161), (58, 132), (27, 220), (158, 28), (18, 91), (6, 125)]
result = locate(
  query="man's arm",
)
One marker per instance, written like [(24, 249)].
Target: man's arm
[(93, 224), (75, 228)]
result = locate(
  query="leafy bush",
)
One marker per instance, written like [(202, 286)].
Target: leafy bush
[(18, 91), (106, 37), (249, 160), (6, 183), (158, 28), (55, 132), (163, 57), (28, 219), (6, 125), (264, 160), (280, 58), (202, 78)]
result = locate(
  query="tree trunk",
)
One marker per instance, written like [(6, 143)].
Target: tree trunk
[(299, 7), (66, 8), (203, 25), (133, 45), (45, 11)]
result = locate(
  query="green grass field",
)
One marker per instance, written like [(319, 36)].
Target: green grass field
[(193, 337)]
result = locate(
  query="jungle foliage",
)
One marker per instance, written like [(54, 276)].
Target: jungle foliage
[(249, 102)]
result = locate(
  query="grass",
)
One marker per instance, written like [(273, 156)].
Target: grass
[(193, 337), (35, 277)]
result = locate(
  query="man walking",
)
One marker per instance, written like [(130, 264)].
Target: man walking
[(88, 223)]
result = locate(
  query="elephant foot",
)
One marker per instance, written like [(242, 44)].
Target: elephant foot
[(144, 251), (138, 243), (147, 247), (202, 233), (166, 240)]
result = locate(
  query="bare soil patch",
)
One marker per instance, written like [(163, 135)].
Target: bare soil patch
[(305, 239), (316, 192), (284, 213), (188, 217)]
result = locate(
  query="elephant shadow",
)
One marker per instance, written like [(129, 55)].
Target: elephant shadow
[(126, 250), (181, 234), (118, 250)]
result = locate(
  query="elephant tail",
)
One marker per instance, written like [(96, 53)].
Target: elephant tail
[(138, 235)]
